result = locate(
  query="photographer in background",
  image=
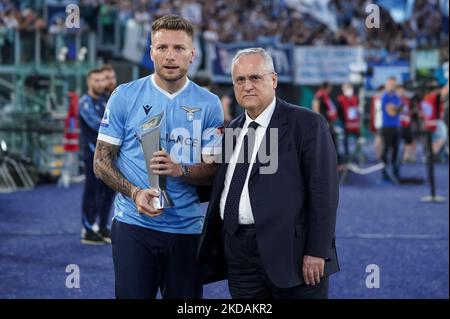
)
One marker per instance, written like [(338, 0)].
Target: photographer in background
[(391, 107), (433, 113), (409, 148)]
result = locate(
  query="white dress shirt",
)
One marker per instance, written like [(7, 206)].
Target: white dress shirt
[(245, 209)]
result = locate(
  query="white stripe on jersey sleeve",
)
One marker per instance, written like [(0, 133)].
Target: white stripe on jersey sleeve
[(109, 139)]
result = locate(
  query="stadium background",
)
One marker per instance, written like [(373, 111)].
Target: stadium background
[(42, 60)]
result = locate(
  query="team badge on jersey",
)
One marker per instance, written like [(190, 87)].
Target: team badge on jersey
[(190, 112)]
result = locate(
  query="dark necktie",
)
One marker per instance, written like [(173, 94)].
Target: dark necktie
[(231, 211)]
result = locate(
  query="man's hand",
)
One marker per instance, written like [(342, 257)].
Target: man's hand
[(144, 202), (162, 164), (313, 268), (392, 109)]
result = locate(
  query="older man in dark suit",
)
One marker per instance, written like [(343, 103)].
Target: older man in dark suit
[(270, 224)]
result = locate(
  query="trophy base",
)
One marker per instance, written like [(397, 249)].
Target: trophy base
[(163, 201)]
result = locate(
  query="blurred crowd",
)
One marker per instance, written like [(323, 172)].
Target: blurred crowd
[(397, 115), (236, 20)]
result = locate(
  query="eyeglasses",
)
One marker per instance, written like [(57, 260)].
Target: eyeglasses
[(253, 78)]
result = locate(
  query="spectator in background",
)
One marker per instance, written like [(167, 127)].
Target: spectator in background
[(323, 104), (409, 148), (446, 113), (231, 108), (433, 111), (236, 20), (440, 138), (105, 194), (376, 119), (391, 107), (89, 10), (203, 81), (109, 78), (142, 14), (58, 26), (192, 10), (348, 110), (107, 16), (97, 198)]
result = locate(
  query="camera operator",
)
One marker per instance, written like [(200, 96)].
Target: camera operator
[(391, 107)]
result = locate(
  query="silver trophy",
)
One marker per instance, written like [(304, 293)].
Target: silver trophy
[(149, 136)]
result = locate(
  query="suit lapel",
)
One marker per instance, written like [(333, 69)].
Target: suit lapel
[(278, 121)]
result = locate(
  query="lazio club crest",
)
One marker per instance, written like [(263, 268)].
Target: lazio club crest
[(190, 112)]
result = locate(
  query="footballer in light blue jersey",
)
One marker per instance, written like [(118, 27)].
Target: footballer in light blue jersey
[(155, 249), (189, 128)]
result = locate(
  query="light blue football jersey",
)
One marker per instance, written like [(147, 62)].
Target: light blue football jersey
[(189, 127)]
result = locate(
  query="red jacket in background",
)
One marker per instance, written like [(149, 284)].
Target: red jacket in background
[(405, 115), (324, 98), (350, 112), (71, 128), (431, 111)]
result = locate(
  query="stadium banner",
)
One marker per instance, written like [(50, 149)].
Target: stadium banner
[(317, 64), (221, 54), (425, 59), (381, 71)]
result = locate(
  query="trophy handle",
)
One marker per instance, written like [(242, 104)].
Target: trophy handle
[(164, 199)]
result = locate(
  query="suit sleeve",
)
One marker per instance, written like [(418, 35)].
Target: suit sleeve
[(319, 161)]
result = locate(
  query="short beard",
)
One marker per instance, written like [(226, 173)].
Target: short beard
[(109, 89), (172, 78), (98, 93)]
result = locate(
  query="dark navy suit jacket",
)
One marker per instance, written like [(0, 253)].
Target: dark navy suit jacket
[(294, 208)]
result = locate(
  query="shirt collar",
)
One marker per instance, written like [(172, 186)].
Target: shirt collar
[(170, 96), (263, 119)]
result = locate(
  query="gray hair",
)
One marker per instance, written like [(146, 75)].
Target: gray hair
[(268, 62)]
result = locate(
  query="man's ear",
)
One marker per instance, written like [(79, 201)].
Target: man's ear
[(192, 56), (275, 80), (150, 53)]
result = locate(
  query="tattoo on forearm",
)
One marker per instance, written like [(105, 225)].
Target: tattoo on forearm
[(105, 168)]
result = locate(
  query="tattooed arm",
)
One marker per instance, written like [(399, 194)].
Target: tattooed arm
[(105, 169)]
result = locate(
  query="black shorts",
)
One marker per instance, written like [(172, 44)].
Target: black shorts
[(406, 134), (146, 260)]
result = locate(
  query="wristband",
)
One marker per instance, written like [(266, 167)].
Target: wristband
[(135, 192)]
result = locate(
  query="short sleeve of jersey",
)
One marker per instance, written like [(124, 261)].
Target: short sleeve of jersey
[(212, 132), (113, 121)]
